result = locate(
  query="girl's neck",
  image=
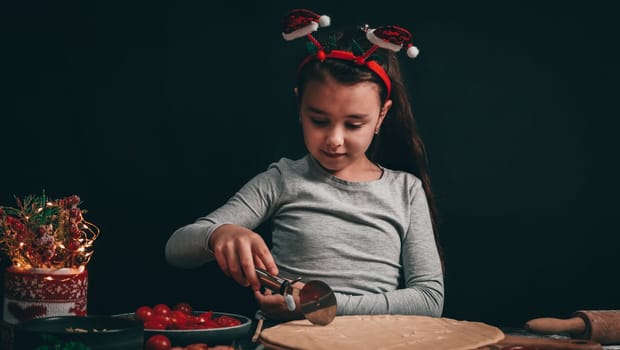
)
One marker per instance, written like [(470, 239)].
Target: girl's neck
[(368, 171)]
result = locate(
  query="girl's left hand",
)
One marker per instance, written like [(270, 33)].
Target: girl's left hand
[(274, 306)]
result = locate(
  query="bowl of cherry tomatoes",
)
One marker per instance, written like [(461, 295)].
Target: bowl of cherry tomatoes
[(184, 326)]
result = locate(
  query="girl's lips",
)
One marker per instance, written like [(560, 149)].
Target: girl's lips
[(333, 155)]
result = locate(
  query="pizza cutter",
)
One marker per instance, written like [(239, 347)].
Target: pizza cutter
[(318, 302)]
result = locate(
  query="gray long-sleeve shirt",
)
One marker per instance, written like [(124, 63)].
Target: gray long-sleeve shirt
[(371, 242)]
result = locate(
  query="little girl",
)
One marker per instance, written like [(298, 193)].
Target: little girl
[(356, 212)]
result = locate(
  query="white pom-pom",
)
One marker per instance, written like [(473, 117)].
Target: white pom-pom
[(413, 51), (324, 21)]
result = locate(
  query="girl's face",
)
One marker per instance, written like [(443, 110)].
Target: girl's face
[(339, 122)]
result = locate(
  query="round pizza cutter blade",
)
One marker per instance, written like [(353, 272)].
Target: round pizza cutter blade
[(318, 302)]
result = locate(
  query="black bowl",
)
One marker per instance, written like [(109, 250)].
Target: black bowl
[(95, 332), (210, 336)]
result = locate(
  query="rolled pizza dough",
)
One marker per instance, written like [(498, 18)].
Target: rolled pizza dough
[(381, 332)]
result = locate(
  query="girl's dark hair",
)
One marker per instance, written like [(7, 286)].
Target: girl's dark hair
[(398, 146)]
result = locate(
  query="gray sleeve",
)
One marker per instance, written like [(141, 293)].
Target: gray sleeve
[(424, 292), (249, 207)]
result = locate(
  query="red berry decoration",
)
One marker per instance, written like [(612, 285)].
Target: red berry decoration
[(73, 245)]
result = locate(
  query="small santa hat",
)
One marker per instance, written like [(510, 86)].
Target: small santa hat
[(392, 38), (301, 22)]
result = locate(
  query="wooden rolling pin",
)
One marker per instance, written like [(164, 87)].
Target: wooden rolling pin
[(511, 342), (602, 326)]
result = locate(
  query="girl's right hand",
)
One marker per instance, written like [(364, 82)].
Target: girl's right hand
[(238, 251)]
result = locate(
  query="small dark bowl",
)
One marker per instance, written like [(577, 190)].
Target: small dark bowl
[(210, 336), (96, 332)]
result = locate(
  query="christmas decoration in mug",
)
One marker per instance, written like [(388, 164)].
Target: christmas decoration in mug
[(46, 233)]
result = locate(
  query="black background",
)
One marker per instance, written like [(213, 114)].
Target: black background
[(154, 113)]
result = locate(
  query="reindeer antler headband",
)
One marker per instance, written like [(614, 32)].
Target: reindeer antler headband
[(301, 23)]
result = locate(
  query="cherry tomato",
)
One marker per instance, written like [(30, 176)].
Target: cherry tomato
[(189, 326), (166, 320), (202, 322), (158, 342), (184, 307), (161, 309), (208, 315), (209, 323), (153, 324), (228, 321), (144, 313), (178, 319)]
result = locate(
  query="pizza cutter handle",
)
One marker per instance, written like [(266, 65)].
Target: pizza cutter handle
[(275, 284), (278, 285)]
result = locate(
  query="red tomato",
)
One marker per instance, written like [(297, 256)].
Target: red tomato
[(189, 326), (228, 321), (208, 315), (201, 322), (166, 320), (184, 307), (144, 313), (161, 309), (200, 319), (153, 324), (178, 319), (157, 342)]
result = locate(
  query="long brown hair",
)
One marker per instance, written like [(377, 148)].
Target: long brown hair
[(398, 146)]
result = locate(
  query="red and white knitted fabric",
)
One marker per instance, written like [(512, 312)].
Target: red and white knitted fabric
[(36, 293)]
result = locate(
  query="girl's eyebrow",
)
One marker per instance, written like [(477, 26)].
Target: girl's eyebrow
[(358, 116), (321, 112), (315, 110)]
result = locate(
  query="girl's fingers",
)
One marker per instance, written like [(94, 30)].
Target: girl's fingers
[(263, 297), (220, 258), (264, 256), (262, 259), (239, 256), (234, 266), (272, 305), (246, 262), (268, 300), (258, 262)]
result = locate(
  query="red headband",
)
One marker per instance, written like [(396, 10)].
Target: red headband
[(299, 23)]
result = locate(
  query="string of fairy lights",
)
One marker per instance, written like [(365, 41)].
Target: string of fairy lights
[(44, 233)]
